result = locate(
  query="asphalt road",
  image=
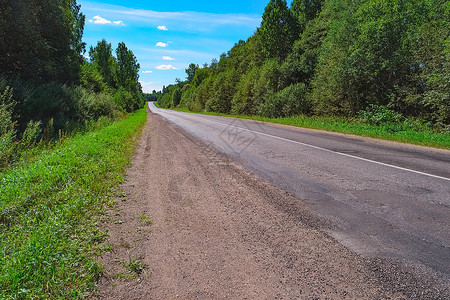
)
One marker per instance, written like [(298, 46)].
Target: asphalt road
[(385, 199)]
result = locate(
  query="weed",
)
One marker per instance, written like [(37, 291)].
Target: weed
[(124, 244), (135, 265), (125, 276), (122, 196), (146, 220)]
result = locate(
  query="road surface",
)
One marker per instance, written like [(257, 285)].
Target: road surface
[(384, 199)]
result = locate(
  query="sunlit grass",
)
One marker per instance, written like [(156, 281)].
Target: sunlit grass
[(49, 213)]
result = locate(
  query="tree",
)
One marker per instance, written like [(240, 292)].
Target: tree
[(190, 72), (176, 97), (214, 65), (41, 39), (127, 68), (332, 91), (101, 56), (278, 31), (306, 10), (77, 45), (300, 64), (431, 51), (200, 75)]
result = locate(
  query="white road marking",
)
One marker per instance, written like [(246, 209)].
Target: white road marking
[(336, 152)]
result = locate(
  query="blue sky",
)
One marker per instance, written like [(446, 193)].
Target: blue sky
[(166, 36)]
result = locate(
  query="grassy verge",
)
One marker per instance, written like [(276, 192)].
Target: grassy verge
[(391, 132), (49, 212)]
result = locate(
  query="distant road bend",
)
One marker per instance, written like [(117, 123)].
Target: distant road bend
[(386, 199)]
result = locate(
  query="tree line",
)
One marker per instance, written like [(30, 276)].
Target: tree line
[(331, 57), (47, 86)]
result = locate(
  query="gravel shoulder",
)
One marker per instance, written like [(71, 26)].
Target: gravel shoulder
[(207, 229)]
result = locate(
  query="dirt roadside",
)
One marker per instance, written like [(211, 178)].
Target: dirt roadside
[(207, 229)]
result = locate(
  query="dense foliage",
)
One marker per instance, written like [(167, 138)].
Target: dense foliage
[(47, 87), (331, 57)]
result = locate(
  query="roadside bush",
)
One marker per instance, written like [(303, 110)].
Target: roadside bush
[(268, 81), (225, 88), (287, 102), (188, 96), (92, 106), (380, 115), (124, 99), (244, 100), (165, 100), (203, 94), (176, 97)]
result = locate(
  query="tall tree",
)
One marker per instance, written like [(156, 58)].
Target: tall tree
[(78, 47), (190, 72), (306, 10), (278, 31), (300, 64), (41, 39), (127, 68), (101, 56)]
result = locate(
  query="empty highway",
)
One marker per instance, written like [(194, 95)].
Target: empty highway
[(382, 199)]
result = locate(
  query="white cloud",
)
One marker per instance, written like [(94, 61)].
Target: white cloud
[(99, 20), (186, 21), (166, 67), (164, 28), (148, 87), (147, 72), (168, 58), (161, 44)]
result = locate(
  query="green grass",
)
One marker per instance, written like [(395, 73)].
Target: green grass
[(49, 213), (405, 132)]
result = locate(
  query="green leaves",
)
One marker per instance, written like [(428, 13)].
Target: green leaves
[(120, 75), (41, 40), (278, 31)]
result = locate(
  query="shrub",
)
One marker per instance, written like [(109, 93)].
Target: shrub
[(124, 100), (225, 88), (287, 102), (92, 106), (380, 115), (176, 97), (244, 101), (188, 96)]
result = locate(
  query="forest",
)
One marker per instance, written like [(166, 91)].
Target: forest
[(350, 58), (47, 87)]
